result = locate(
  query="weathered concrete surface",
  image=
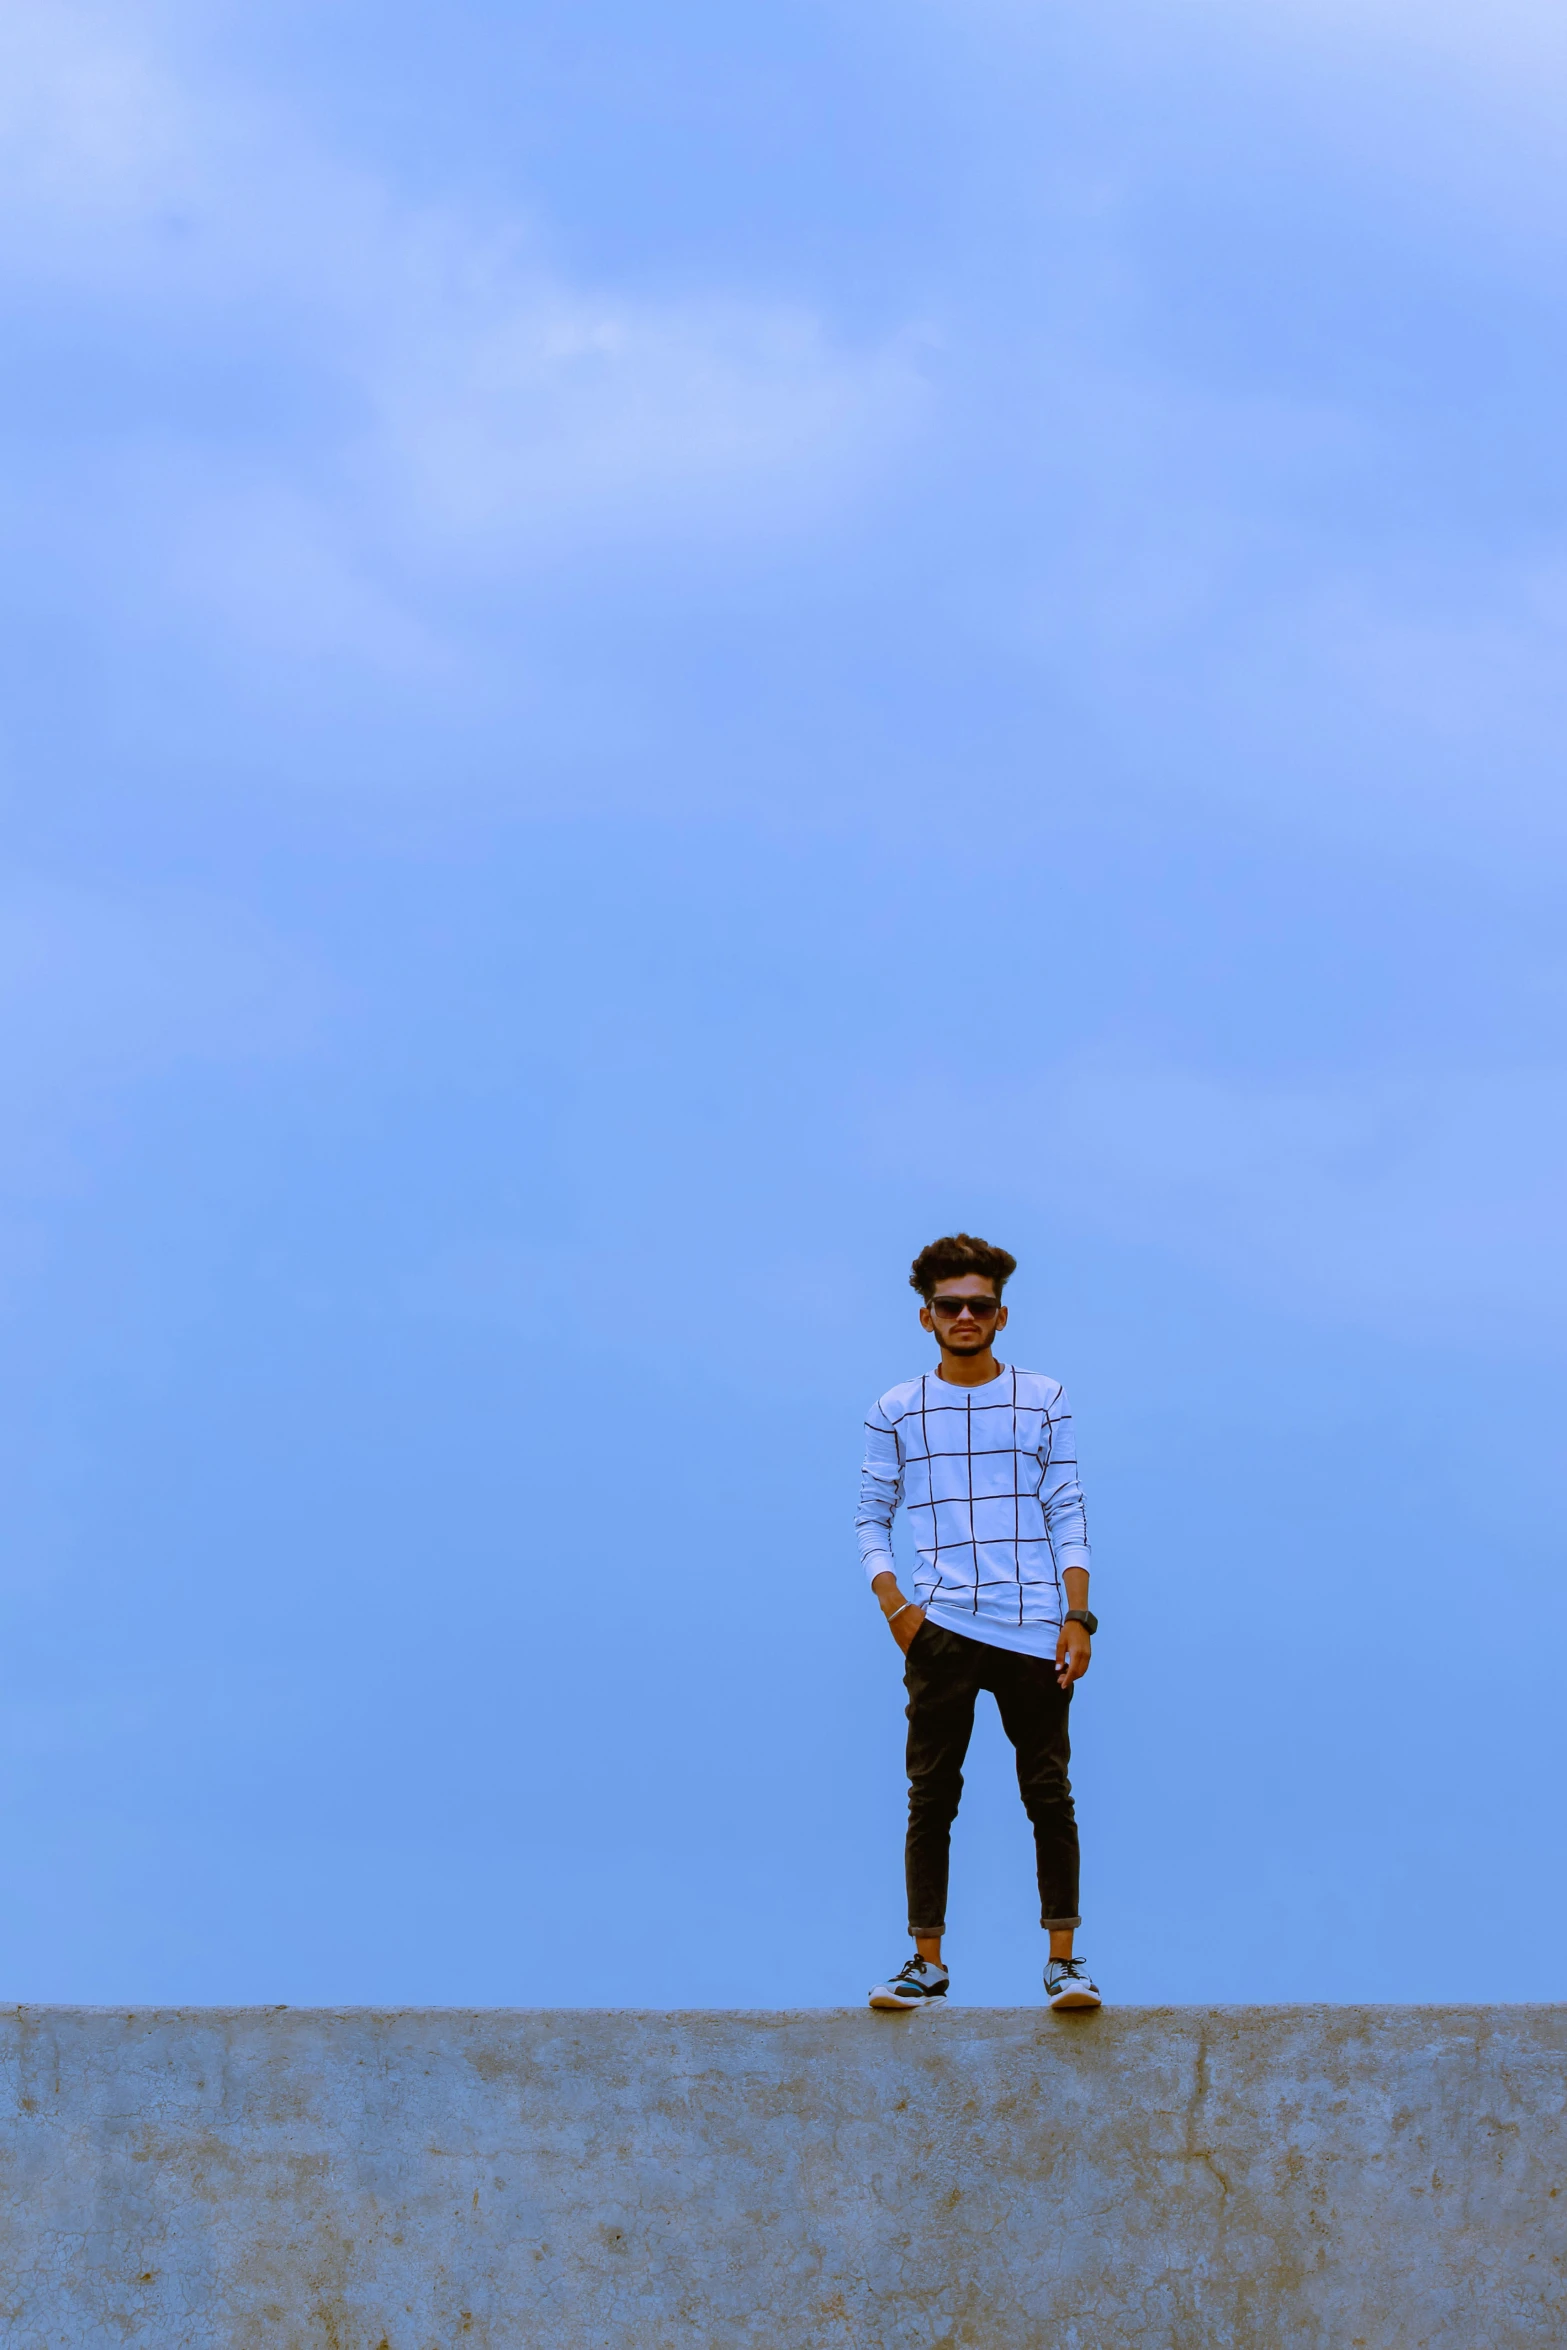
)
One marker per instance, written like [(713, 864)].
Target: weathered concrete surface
[(1267, 2178)]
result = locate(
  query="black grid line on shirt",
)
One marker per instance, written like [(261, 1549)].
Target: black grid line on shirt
[(1055, 1563), (1047, 1420), (1050, 1421), (944, 1501), (935, 1521), (958, 1452), (969, 1424), (1017, 1504), (957, 1591)]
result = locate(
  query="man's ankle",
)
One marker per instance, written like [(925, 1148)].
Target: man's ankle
[(928, 1947)]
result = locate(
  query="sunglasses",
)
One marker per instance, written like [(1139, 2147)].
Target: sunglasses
[(983, 1309)]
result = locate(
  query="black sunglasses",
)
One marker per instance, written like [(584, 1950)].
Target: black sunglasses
[(983, 1309)]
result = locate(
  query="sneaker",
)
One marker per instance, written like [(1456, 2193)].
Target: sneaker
[(915, 1984), (1068, 1983)]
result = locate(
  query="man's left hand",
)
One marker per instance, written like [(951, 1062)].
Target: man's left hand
[(1074, 1650)]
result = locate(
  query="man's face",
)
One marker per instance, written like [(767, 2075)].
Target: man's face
[(964, 1313)]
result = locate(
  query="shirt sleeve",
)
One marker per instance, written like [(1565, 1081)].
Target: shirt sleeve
[(1066, 1520), (881, 1490)]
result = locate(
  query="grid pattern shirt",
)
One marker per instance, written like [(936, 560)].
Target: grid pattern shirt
[(988, 1476)]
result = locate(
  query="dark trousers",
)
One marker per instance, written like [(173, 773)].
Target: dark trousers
[(944, 1673)]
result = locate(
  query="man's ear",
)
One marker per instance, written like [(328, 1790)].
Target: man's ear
[(1001, 1317)]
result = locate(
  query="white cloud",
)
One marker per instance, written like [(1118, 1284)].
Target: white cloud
[(466, 402), (90, 126), (564, 409), (1412, 1206), (1506, 38), (1511, 47)]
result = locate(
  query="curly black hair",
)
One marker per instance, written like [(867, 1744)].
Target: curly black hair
[(959, 1253)]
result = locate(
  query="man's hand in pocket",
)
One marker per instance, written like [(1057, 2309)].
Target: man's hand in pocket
[(903, 1618)]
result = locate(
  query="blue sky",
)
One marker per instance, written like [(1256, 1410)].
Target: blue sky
[(649, 656)]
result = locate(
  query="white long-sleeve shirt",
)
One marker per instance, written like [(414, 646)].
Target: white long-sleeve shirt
[(988, 1476)]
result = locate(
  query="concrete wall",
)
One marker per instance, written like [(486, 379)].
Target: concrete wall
[(1389, 2179)]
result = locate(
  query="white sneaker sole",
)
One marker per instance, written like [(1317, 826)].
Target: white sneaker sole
[(889, 1999), (1065, 1999)]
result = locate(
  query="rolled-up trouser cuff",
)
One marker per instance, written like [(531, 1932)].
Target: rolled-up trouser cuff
[(927, 1933), (1059, 1925)]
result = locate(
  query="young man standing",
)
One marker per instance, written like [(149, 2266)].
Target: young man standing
[(981, 1455)]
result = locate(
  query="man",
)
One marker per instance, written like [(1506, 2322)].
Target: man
[(982, 1457)]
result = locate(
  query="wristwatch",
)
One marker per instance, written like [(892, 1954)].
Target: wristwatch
[(1084, 1616)]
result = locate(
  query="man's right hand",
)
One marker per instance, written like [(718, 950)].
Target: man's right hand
[(904, 1627), (902, 1621)]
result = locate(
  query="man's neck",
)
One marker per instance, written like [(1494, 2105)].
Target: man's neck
[(969, 1370)]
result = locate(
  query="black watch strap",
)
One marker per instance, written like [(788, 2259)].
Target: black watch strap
[(1084, 1616)]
